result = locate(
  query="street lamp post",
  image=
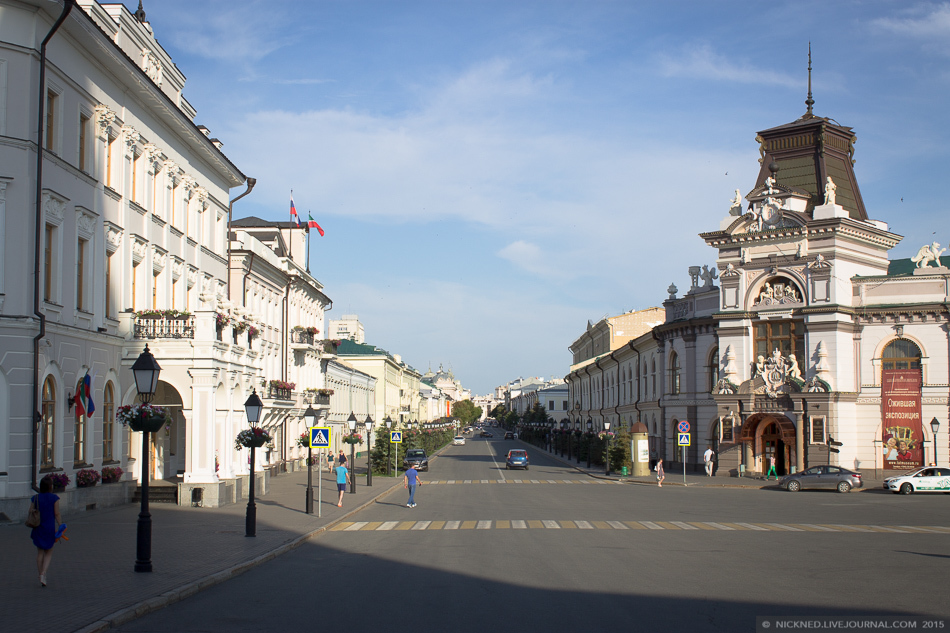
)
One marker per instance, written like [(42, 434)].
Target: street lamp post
[(252, 408), (145, 370), (590, 430), (935, 426), (607, 448), (311, 420), (369, 453), (351, 422), (389, 458)]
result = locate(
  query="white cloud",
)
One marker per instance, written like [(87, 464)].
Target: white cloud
[(925, 22), (702, 62)]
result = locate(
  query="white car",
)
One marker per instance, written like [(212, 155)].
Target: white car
[(458, 441), (929, 479)]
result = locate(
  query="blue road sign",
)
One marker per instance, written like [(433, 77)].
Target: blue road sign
[(683, 427), (319, 437), (395, 437), (683, 439)]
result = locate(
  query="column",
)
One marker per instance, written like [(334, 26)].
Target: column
[(200, 435), (799, 442)]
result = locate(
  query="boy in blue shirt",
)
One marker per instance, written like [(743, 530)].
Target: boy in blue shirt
[(410, 481), (342, 478)]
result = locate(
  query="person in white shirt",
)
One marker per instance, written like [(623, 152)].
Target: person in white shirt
[(708, 458)]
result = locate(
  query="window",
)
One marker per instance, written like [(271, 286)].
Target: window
[(901, 354), (79, 440), (52, 103), (550, 405), (712, 370), (48, 249), (110, 150), (110, 303), (135, 278), (48, 423), (788, 337), (108, 423), (81, 248), (83, 142), (564, 406), (653, 378), (674, 373), (134, 192), (817, 429)]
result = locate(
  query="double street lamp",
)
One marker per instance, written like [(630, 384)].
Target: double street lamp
[(389, 458), (310, 417), (590, 431), (369, 450), (146, 370), (252, 409), (351, 422)]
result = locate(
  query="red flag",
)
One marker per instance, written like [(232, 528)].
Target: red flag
[(312, 224), (78, 398)]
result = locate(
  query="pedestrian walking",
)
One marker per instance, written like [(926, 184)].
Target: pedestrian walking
[(342, 479), (329, 462), (410, 480), (771, 469), (44, 536), (341, 459), (660, 474), (708, 458)]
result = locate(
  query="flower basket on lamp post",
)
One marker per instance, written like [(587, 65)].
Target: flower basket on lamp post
[(254, 437), (143, 417)]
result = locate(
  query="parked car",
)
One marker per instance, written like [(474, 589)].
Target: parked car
[(509, 435), (485, 434), (458, 440), (517, 458), (416, 457), (929, 479), (832, 477)]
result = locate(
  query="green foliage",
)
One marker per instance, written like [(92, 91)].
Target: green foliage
[(620, 451), (498, 412), (466, 411)]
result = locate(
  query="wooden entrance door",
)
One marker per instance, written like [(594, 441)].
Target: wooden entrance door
[(773, 446)]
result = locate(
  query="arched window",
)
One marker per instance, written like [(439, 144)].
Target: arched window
[(48, 424), (108, 423), (653, 378), (712, 369), (674, 373), (901, 354)]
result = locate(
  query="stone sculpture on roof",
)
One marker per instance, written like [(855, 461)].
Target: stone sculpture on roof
[(830, 189), (928, 254)]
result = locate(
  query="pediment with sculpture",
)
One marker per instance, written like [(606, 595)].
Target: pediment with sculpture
[(778, 291)]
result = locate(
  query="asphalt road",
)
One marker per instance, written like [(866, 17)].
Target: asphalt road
[(551, 549)]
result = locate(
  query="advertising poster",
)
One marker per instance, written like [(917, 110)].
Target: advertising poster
[(643, 451), (901, 430)]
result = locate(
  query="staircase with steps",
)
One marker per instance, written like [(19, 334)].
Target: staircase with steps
[(158, 492)]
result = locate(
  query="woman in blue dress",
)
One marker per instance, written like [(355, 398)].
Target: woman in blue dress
[(44, 536)]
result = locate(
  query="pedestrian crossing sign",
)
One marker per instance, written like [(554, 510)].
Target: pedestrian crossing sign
[(395, 437), (319, 437), (683, 439)]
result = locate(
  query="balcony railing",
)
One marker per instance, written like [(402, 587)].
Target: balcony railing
[(280, 394), (301, 336), (163, 327)]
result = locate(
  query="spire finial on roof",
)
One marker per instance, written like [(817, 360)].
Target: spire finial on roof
[(140, 13), (809, 101)]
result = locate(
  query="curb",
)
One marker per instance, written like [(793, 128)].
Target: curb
[(177, 594)]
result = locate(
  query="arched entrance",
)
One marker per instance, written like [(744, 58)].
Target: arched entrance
[(767, 435), (168, 445)]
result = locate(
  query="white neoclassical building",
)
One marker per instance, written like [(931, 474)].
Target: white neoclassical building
[(814, 347), (124, 231)]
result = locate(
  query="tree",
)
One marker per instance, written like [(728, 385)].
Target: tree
[(466, 411)]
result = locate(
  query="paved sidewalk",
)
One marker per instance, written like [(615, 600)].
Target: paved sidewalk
[(92, 585), (674, 476)]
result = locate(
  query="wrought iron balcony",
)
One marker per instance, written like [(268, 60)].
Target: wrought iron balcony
[(164, 327)]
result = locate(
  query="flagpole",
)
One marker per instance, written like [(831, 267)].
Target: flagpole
[(290, 231), (308, 243)]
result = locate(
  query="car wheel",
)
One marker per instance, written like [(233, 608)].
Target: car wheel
[(906, 489), (793, 486), (844, 486)]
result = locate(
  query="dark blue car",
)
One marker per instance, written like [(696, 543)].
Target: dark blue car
[(517, 458)]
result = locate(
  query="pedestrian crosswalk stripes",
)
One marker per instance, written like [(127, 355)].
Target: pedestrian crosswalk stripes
[(550, 524), (477, 482)]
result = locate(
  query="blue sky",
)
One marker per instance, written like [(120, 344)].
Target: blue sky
[(493, 174)]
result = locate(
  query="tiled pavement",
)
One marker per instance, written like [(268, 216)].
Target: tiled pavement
[(91, 579), (92, 584)]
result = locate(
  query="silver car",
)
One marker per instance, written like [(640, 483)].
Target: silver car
[(831, 477)]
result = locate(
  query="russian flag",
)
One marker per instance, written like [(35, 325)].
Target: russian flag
[(293, 210), (83, 398), (312, 224)]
